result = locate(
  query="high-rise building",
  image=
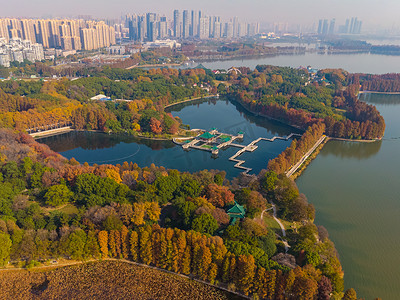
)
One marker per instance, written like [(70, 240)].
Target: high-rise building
[(185, 24), (325, 27), (194, 28), (151, 26), (177, 24), (163, 28), (320, 24), (332, 27), (217, 30), (235, 24), (204, 28), (228, 30)]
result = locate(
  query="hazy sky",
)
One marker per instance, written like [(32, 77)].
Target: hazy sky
[(383, 12)]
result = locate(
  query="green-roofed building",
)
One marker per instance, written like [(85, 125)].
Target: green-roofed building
[(226, 139), (236, 211), (206, 136)]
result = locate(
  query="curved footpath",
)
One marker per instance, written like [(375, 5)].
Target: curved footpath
[(285, 243)]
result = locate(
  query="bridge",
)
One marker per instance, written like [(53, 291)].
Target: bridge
[(51, 129)]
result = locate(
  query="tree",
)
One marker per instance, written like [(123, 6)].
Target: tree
[(139, 211), (245, 271), (92, 248), (155, 126), (134, 243), (76, 244), (350, 294), (145, 245), (219, 196), (103, 242), (112, 245), (205, 223), (5, 248), (124, 242), (112, 222), (324, 288), (305, 288)]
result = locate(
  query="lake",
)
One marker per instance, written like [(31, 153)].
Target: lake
[(354, 63), (227, 117), (355, 188)]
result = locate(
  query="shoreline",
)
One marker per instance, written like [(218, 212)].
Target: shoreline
[(267, 117), (375, 92), (189, 100)]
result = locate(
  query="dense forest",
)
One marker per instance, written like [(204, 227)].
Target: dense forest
[(53, 207), (32, 104), (291, 96)]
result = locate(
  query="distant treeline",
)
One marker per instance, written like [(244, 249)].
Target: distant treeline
[(389, 83)]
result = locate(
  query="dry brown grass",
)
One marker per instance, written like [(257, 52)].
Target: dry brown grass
[(102, 280)]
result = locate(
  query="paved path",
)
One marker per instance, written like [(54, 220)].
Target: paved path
[(285, 243), (303, 159)]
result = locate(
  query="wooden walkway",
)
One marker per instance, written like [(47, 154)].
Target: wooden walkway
[(206, 146), (251, 147)]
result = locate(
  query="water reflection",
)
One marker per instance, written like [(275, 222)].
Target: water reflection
[(351, 149), (381, 99), (230, 117), (97, 140)]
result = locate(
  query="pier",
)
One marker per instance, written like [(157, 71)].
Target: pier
[(214, 140)]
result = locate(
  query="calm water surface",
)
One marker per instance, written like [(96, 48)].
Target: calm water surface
[(355, 188), (225, 116), (354, 63)]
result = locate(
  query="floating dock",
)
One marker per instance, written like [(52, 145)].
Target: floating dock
[(214, 140)]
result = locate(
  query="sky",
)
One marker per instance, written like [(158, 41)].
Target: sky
[(373, 12)]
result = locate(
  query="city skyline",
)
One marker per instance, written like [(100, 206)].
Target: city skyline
[(305, 12)]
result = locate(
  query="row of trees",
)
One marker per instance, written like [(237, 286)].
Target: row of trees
[(189, 253), (284, 161), (379, 83)]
